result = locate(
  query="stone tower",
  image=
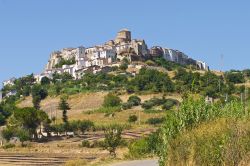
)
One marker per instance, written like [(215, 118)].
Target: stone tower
[(123, 35)]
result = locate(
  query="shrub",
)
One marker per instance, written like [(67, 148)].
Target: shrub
[(147, 104), (81, 126), (8, 133), (127, 105), (45, 81), (138, 148), (111, 100), (8, 146), (169, 104), (23, 135), (132, 118), (235, 77), (155, 121), (152, 80), (153, 102), (150, 63), (144, 146), (85, 143), (135, 100)]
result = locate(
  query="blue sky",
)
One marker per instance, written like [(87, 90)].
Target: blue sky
[(30, 30)]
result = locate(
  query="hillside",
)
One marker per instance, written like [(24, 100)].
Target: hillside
[(151, 105), (84, 103)]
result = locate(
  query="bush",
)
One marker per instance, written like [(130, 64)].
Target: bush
[(135, 100), (111, 100), (169, 104), (155, 121), (152, 80), (148, 104), (8, 133), (150, 63), (81, 126), (85, 143), (235, 77), (144, 146), (153, 102), (127, 105), (138, 148), (132, 118), (8, 146)]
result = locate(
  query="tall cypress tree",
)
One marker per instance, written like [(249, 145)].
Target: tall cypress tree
[(64, 106)]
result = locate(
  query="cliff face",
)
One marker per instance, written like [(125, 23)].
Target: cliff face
[(65, 54)]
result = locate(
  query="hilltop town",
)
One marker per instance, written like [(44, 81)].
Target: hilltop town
[(101, 58), (77, 61)]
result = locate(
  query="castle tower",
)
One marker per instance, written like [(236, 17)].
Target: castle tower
[(80, 55), (123, 35)]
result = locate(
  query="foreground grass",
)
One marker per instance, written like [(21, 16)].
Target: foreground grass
[(225, 141)]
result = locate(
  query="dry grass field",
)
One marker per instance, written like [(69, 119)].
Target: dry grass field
[(86, 102), (82, 105)]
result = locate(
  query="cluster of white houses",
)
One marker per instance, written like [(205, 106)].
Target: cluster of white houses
[(102, 57)]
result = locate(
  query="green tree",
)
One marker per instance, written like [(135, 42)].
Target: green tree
[(38, 94), (111, 100), (8, 133), (112, 138), (135, 100), (28, 119), (36, 100), (234, 77), (64, 106), (23, 135), (124, 66), (45, 81)]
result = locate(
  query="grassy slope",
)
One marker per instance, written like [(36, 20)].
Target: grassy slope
[(84, 102), (204, 144)]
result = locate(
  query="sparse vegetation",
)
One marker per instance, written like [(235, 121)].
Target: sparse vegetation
[(113, 138), (132, 118)]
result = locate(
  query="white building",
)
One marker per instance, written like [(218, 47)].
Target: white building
[(108, 54), (66, 53), (202, 65), (9, 82), (11, 93), (80, 57)]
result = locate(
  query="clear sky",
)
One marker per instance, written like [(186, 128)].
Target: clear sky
[(30, 30)]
